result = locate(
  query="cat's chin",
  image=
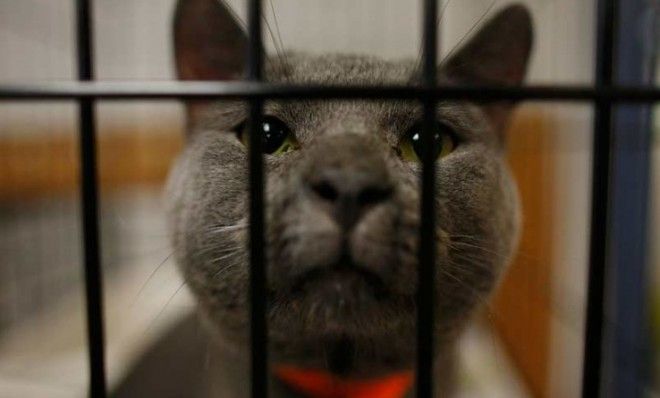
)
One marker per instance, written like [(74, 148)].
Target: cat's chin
[(340, 301)]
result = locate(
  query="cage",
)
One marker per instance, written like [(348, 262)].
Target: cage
[(616, 318)]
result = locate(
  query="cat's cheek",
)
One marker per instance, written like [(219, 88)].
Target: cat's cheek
[(511, 225)]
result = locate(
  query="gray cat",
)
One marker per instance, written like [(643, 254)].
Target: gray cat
[(343, 213)]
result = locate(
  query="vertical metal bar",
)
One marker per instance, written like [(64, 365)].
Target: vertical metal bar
[(258, 325), (89, 197), (427, 249), (598, 250)]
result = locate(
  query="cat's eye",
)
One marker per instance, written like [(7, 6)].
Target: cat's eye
[(411, 148), (277, 137)]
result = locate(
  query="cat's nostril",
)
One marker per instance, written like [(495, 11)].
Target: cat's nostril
[(373, 195), (349, 194), (325, 190), (366, 196)]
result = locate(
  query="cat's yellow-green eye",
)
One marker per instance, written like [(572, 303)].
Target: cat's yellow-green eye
[(277, 138), (410, 148)]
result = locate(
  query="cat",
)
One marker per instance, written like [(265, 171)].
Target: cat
[(342, 214)]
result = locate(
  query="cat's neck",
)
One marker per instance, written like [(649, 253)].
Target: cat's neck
[(230, 377), (187, 361)]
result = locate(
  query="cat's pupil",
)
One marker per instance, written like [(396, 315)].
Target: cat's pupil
[(418, 147), (275, 134), (276, 137)]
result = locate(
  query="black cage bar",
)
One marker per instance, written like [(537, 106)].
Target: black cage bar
[(258, 324), (89, 197), (603, 94), (600, 190), (426, 267)]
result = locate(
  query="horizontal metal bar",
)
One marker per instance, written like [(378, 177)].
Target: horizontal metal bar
[(249, 90)]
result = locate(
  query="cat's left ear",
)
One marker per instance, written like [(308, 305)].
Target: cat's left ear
[(209, 44), (497, 55)]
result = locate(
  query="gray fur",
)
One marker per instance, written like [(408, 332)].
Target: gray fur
[(311, 317)]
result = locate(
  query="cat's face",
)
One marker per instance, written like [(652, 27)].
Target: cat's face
[(342, 213)]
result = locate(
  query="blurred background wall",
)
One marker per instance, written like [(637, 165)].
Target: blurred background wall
[(539, 313)]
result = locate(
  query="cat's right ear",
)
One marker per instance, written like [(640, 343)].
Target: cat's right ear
[(498, 54), (209, 43)]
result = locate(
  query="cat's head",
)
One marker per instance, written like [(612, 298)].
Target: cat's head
[(342, 193)]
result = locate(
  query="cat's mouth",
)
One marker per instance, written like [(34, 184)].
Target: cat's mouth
[(340, 279), (341, 291), (344, 299)]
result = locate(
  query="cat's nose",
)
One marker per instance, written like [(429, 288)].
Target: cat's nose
[(349, 193)]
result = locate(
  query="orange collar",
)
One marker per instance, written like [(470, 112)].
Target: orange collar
[(322, 384)]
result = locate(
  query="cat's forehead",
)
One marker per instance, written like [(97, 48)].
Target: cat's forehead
[(338, 69)]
